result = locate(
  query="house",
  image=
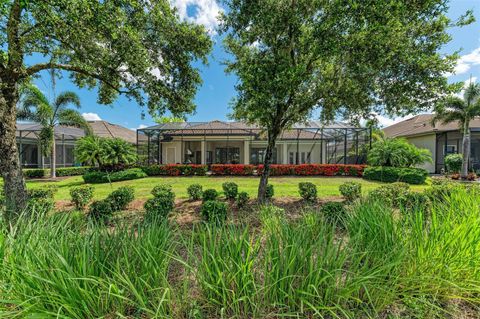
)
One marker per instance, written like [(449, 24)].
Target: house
[(221, 142), (441, 139), (29, 148)]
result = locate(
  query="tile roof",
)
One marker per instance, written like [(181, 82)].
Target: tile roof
[(109, 130)]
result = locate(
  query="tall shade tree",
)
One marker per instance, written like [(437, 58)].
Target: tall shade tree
[(462, 111), (35, 106), (139, 48), (344, 58)]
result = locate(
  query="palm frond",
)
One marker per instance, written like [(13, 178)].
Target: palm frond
[(472, 92), (66, 98), (73, 118)]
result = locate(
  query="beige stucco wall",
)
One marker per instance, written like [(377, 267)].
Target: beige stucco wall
[(428, 142)]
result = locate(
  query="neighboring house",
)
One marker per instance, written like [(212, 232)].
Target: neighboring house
[(219, 142), (440, 139), (65, 137)]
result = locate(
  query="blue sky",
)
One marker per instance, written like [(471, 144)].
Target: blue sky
[(215, 94)]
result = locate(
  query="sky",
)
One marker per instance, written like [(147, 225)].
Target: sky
[(215, 94)]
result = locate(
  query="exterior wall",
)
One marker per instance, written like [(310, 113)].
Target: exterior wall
[(428, 142)]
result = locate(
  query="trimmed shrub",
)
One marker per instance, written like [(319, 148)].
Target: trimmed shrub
[(334, 213), (390, 194), (351, 191), (40, 200), (214, 211), (232, 169), (34, 172), (175, 170), (269, 192), (81, 196), (411, 201), (121, 197), (441, 189), (230, 189), (396, 174), (210, 194), (47, 192), (314, 169), (308, 191), (453, 163), (195, 191), (100, 211), (163, 190), (242, 199), (74, 171), (96, 177)]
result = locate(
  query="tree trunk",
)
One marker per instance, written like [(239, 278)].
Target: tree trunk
[(262, 187), (53, 157), (466, 149), (10, 167)]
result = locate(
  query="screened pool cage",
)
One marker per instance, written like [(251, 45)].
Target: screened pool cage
[(220, 142)]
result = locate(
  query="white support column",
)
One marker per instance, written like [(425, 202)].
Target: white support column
[(246, 152), (285, 153), (204, 152)]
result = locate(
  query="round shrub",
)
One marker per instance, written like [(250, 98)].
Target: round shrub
[(308, 191), (389, 194), (158, 208), (335, 213), (195, 191), (120, 198), (214, 211), (453, 163), (412, 201), (351, 191), (269, 192), (210, 194), (161, 190), (230, 189), (81, 196), (40, 201), (100, 211), (242, 199)]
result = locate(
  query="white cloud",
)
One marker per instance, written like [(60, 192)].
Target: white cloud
[(466, 83), (139, 127), (467, 61), (204, 12), (386, 121), (91, 116)]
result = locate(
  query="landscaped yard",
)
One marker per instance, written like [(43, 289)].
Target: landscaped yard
[(284, 186)]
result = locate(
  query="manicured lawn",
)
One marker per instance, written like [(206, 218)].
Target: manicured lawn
[(284, 186)]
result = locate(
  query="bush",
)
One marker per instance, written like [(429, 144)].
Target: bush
[(40, 200), (163, 190), (96, 177), (314, 169), (47, 192), (396, 174), (214, 211), (195, 191), (230, 189), (441, 189), (397, 152), (175, 170), (34, 173), (269, 192), (242, 199), (308, 191), (412, 201), (100, 211), (232, 169), (74, 171), (334, 213), (453, 163), (351, 191), (210, 194), (390, 194), (81, 196), (121, 197)]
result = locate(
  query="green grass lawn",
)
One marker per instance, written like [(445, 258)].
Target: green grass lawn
[(284, 186)]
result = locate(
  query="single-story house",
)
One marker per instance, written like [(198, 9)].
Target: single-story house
[(221, 142), (65, 137), (441, 139)]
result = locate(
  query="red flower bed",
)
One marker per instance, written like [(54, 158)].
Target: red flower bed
[(175, 170), (314, 169), (232, 169)]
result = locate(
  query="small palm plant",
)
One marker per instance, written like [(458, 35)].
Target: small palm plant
[(35, 106), (455, 109)]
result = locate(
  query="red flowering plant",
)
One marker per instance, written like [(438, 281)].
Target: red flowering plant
[(232, 169)]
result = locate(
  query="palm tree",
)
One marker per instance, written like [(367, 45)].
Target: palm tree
[(35, 106), (455, 109)]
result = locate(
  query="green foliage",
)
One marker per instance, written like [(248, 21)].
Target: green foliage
[(210, 194), (41, 200), (195, 191), (269, 191), (453, 163), (118, 153), (81, 196), (351, 191), (121, 197), (34, 173), (96, 177), (158, 207), (396, 174), (100, 211), (397, 152), (89, 150), (214, 211), (308, 191), (242, 199), (230, 189), (334, 213), (161, 190), (390, 194), (414, 201)]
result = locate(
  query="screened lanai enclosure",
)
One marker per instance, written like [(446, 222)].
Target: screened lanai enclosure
[(29, 148), (220, 142)]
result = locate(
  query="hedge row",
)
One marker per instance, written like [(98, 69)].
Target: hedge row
[(314, 169), (232, 169), (95, 177), (175, 170), (63, 171), (396, 174)]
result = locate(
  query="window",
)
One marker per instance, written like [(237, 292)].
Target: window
[(229, 155), (303, 158), (257, 156), (451, 149), (291, 158)]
